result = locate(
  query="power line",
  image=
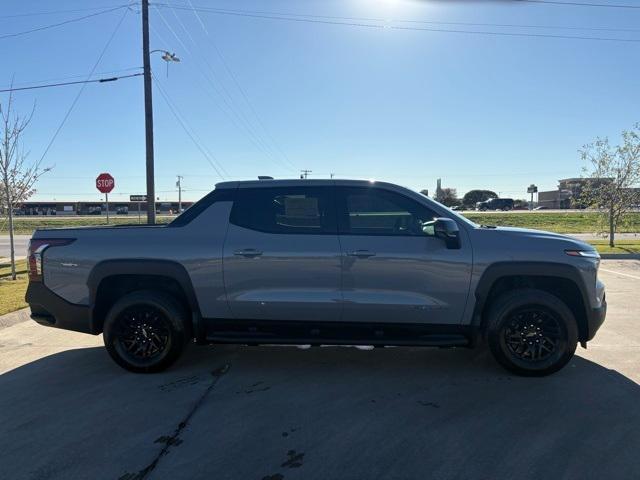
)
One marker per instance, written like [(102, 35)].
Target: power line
[(235, 81), (208, 155), (386, 21), (79, 94), (55, 25), (362, 24), (580, 4), (57, 12), (70, 77), (97, 80), (236, 115)]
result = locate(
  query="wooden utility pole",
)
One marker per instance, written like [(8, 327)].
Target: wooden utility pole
[(179, 185), (148, 115)]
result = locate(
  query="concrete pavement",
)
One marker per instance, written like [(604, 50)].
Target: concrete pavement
[(67, 411)]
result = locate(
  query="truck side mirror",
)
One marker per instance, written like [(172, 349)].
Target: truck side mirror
[(447, 230)]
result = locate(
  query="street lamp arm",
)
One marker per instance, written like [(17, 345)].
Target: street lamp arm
[(166, 55)]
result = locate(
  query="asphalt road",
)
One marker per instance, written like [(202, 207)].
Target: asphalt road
[(20, 242), (68, 412)]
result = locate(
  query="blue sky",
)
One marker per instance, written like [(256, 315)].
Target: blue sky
[(270, 97)]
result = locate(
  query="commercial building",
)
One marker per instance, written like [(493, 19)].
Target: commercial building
[(568, 193), (95, 208)]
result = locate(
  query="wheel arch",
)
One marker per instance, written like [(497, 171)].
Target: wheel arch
[(561, 280), (112, 278)]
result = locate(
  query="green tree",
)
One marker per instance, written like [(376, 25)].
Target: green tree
[(615, 177), (473, 196)]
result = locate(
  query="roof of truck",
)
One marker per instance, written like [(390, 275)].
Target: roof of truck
[(300, 182)]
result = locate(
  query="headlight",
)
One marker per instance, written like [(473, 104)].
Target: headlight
[(583, 253)]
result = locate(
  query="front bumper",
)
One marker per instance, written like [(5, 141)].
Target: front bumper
[(50, 310), (596, 318)]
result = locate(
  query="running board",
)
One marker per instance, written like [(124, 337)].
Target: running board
[(337, 333)]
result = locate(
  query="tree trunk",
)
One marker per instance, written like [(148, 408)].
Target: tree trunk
[(611, 227), (11, 245)]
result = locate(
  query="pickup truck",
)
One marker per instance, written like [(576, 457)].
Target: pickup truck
[(319, 262)]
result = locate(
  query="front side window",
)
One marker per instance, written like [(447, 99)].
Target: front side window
[(306, 210), (374, 211)]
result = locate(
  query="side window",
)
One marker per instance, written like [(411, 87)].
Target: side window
[(221, 195), (374, 211), (305, 210)]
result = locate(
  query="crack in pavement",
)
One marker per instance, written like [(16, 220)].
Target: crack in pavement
[(174, 439)]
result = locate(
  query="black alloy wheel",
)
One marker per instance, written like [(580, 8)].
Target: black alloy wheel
[(531, 332), (146, 331)]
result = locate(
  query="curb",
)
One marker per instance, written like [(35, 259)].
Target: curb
[(12, 318), (620, 256)]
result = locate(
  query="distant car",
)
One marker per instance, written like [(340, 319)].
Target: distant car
[(495, 204), (540, 208), (122, 211), (457, 208)]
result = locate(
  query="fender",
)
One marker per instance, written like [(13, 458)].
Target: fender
[(148, 267), (499, 270)]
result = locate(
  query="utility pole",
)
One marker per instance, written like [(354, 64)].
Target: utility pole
[(179, 185), (148, 115), (305, 173)]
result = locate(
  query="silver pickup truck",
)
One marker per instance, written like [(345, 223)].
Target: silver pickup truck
[(319, 262)]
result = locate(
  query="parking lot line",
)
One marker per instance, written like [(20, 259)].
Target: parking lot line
[(619, 273)]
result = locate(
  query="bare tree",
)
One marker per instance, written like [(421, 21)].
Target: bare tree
[(17, 177), (614, 174)]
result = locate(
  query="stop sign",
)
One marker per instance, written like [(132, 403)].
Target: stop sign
[(105, 183)]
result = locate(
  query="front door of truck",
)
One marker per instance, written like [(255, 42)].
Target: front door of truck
[(394, 268)]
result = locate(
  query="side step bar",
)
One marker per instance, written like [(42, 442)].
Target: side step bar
[(337, 333)]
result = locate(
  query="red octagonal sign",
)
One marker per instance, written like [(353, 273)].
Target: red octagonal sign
[(105, 183)]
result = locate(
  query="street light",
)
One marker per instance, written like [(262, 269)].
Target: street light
[(167, 57)]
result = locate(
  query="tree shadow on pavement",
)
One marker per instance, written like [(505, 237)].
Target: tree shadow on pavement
[(318, 413)]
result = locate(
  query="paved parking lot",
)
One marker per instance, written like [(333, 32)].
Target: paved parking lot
[(66, 411)]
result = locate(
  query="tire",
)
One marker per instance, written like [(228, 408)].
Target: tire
[(531, 332), (143, 347)]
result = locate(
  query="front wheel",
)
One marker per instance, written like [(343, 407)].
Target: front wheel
[(146, 331), (531, 332)]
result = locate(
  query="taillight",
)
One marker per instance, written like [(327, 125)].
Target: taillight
[(35, 251)]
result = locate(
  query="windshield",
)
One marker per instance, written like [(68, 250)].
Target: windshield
[(452, 213)]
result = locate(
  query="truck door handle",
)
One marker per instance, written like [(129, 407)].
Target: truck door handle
[(361, 253), (248, 252)]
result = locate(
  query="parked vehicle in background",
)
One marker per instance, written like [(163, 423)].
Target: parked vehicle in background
[(541, 208), (319, 262), (495, 204)]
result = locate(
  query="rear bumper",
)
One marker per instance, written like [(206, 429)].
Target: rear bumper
[(50, 310), (596, 319)]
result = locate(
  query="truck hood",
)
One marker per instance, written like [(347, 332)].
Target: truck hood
[(531, 234)]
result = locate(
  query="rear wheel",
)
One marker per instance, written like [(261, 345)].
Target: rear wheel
[(146, 331), (531, 332)]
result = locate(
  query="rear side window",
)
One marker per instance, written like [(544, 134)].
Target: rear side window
[(221, 195), (374, 211), (297, 210)]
